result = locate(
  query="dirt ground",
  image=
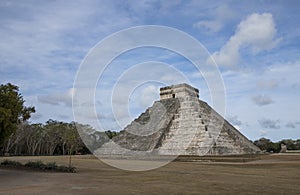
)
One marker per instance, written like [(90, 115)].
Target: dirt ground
[(270, 174)]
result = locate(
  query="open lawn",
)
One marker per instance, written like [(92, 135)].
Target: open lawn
[(268, 174)]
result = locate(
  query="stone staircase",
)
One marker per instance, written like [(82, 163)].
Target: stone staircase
[(188, 128)]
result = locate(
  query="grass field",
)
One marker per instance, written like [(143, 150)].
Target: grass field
[(268, 174)]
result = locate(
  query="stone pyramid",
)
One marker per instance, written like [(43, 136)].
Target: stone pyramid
[(179, 124)]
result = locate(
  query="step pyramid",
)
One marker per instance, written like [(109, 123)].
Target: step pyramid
[(179, 124)]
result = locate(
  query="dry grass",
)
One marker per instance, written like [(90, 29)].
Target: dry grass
[(271, 174)]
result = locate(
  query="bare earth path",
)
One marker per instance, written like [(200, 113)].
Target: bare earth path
[(274, 174)]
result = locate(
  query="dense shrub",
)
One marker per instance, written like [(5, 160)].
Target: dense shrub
[(67, 169), (11, 163), (51, 166), (36, 165)]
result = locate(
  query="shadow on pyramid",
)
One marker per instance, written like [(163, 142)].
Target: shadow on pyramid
[(178, 124)]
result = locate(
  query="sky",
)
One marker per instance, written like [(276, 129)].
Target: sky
[(254, 43)]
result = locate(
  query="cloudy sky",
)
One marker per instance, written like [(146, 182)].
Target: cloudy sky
[(254, 43)]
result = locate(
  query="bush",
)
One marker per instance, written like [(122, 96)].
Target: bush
[(11, 163), (67, 169), (51, 166), (36, 165)]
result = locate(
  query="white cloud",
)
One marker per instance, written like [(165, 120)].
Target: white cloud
[(221, 15), (44, 42), (269, 123), (211, 25), (256, 32), (62, 98), (262, 100)]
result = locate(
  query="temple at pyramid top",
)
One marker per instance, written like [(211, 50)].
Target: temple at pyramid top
[(178, 91)]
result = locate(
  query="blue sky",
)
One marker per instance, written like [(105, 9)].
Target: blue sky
[(255, 44)]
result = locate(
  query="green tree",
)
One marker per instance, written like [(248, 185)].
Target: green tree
[(72, 140), (53, 134), (110, 134), (12, 110), (267, 145), (290, 144)]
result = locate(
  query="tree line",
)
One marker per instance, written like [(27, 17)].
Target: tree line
[(267, 145), (53, 138)]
